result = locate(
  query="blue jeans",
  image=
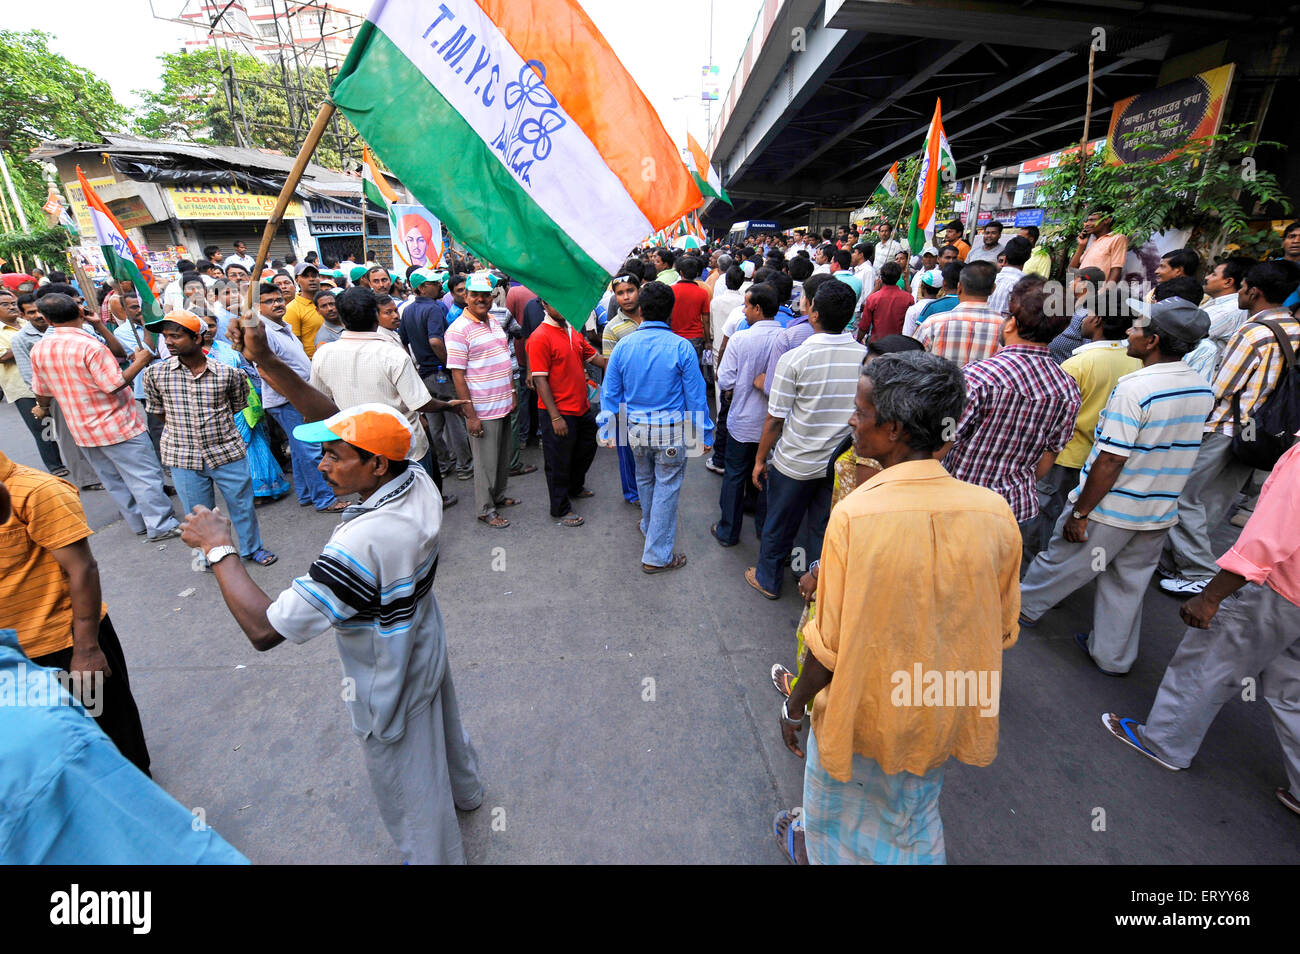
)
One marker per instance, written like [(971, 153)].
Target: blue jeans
[(235, 482), (788, 500), (659, 475), (740, 457), (627, 473), (308, 483)]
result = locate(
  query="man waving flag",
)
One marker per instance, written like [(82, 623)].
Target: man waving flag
[(549, 159), (124, 261)]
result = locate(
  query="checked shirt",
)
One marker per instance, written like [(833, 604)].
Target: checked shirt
[(200, 424)]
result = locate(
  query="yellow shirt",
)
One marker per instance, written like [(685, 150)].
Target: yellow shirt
[(304, 320), (919, 571), (1095, 367)]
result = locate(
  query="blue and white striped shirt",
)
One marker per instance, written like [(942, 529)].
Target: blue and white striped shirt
[(1155, 418)]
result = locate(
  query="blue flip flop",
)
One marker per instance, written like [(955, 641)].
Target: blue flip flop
[(787, 840), (262, 557), (1122, 729)]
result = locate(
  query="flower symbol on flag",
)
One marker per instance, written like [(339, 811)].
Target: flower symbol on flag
[(528, 95)]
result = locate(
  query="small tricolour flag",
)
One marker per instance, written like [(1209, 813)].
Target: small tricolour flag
[(547, 158), (937, 167), (705, 176), (123, 259), (373, 183), (888, 185)]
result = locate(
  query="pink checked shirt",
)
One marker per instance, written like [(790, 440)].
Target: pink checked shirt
[(72, 366), (1268, 550)]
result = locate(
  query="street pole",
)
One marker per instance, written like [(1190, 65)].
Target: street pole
[(972, 217), (317, 130), (18, 206)]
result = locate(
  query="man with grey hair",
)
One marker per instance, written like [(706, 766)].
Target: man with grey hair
[(876, 753)]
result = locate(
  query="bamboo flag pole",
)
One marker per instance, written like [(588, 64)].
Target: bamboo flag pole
[(912, 192), (249, 318), (1087, 119)]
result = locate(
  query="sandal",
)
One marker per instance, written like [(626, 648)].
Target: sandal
[(509, 502), (678, 561), (791, 838), (751, 577), (262, 557), (571, 520), (449, 500), (1122, 730), (583, 495), (713, 532), (60, 472), (94, 486), (494, 520), (338, 506), (783, 679), (520, 471)]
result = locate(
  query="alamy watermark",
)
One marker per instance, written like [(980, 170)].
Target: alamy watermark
[(947, 688), (38, 687)]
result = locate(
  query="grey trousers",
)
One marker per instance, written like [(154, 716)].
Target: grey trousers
[(79, 470), (1121, 561), (421, 779), (1255, 633), (447, 433), (491, 464), (1211, 488), (131, 474), (1053, 494)]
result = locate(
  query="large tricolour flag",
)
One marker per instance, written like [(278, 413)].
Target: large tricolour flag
[(516, 124), (937, 167), (124, 261)]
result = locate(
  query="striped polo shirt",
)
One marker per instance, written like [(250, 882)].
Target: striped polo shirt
[(482, 350), (813, 393), (1154, 418)]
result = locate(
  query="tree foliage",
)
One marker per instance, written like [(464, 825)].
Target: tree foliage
[(897, 209), (1212, 189), (198, 103), (45, 96)]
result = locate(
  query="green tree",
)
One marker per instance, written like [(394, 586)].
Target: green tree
[(1212, 189), (897, 209), (45, 96), (200, 103)]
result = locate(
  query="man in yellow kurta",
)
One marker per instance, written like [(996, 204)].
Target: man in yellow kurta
[(917, 597)]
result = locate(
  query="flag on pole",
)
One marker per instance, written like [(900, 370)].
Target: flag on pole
[(535, 167), (124, 261), (705, 176), (373, 183), (937, 167), (888, 185)]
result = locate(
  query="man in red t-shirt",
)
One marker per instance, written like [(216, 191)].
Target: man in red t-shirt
[(556, 355), (690, 317), (884, 309)]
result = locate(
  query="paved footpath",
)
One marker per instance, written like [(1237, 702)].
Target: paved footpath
[(626, 718)]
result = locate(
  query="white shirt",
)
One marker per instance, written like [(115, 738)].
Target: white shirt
[(725, 301), (979, 253), (822, 269), (913, 313), (885, 252), (246, 260), (1000, 298)]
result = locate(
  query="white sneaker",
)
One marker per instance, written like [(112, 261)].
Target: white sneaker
[(714, 467), (1177, 586)]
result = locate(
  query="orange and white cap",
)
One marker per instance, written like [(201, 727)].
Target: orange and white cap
[(186, 319), (376, 428)]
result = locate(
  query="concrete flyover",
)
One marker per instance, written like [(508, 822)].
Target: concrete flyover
[(828, 94)]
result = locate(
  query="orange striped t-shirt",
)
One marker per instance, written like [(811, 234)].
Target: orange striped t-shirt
[(34, 596)]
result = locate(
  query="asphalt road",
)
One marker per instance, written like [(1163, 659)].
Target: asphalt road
[(554, 634)]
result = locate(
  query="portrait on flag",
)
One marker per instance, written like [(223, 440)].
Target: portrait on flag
[(417, 240)]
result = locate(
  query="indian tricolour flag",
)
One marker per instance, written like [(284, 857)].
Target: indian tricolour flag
[(124, 261), (888, 185), (516, 124), (705, 176), (937, 167)]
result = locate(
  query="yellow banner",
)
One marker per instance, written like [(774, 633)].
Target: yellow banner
[(80, 210), (225, 202)]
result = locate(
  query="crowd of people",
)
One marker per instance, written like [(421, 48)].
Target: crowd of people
[(946, 428)]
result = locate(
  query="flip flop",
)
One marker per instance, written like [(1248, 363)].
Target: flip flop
[(713, 532), (520, 471), (1122, 730), (571, 520), (509, 502), (94, 486), (678, 561), (583, 495), (1290, 801), (262, 557), (337, 506), (60, 472), (793, 820), (494, 520), (449, 500)]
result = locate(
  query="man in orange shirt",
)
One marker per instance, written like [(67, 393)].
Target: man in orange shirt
[(1100, 247), (50, 594)]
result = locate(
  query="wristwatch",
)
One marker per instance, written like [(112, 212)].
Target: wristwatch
[(785, 714), (1078, 516), (217, 554)]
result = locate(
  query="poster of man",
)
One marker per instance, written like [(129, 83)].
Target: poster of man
[(418, 237)]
